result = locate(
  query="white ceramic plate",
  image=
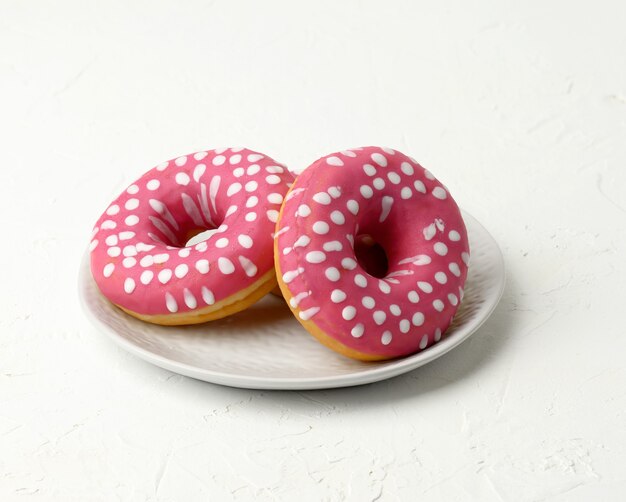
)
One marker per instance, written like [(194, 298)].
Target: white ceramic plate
[(264, 347)]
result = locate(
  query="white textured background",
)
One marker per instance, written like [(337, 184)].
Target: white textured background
[(520, 109)]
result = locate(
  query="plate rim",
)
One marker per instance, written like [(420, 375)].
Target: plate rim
[(361, 377)]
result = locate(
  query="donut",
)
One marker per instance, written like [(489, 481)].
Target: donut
[(371, 253), (140, 257)]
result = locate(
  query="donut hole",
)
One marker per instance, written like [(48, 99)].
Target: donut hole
[(371, 255)]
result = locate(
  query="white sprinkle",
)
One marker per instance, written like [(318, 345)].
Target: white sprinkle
[(384, 287), (162, 166), (379, 183), (413, 297), (133, 189), (181, 270), (248, 266), (275, 198), (131, 220), (251, 186), (233, 189), (348, 263), (395, 309), (337, 296), (305, 315), (238, 172), (405, 326), (190, 300), (113, 210), (439, 193), (393, 177), (348, 313), (303, 210), (245, 241), (387, 203), (165, 275), (379, 317), (437, 334), (182, 179), (454, 236), (199, 155), (272, 179), (170, 302), (153, 184), (440, 248), (357, 331), (161, 258), (129, 262), (147, 261), (454, 268), (322, 198), (332, 274), (222, 242), (407, 168), (420, 259), (334, 161), (418, 319), (292, 274), (369, 169), (275, 170), (108, 225), (334, 192), (254, 157), (129, 250), (465, 257), (207, 295), (419, 186), (441, 277), (302, 241), (348, 153), (252, 201), (250, 216), (180, 161), (253, 169), (113, 252), (234, 159), (321, 227), (424, 342), (111, 240), (425, 286), (294, 301), (386, 338), (366, 191), (272, 215), (202, 266), (438, 304), (333, 246), (225, 265), (452, 298), (315, 257), (428, 174), (337, 217), (368, 302), (429, 231), (353, 206), (360, 280), (380, 159), (108, 270), (406, 193), (129, 285)]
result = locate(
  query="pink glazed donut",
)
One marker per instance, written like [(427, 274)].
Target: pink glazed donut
[(139, 256), (371, 253)]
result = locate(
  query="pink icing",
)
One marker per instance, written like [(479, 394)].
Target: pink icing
[(384, 194), (138, 254)]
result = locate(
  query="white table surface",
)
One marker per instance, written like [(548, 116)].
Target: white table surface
[(520, 109)]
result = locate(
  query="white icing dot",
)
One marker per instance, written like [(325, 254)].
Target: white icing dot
[(353, 206), (248, 266), (413, 297), (108, 270), (170, 302), (379, 183), (129, 262), (133, 189), (452, 298), (114, 251), (419, 186), (250, 216), (337, 296), (129, 285), (426, 287), (360, 280), (334, 161), (439, 193), (406, 193), (405, 326), (369, 169), (233, 189), (275, 198), (437, 334), (182, 179), (395, 309), (275, 170), (332, 274), (153, 184), (454, 268), (252, 201), (230, 211), (181, 270), (218, 160), (199, 155), (348, 313), (428, 174), (407, 168), (465, 257), (321, 227), (207, 295), (111, 240), (238, 172), (147, 261), (108, 225), (440, 248), (438, 304), (418, 319), (272, 215), (322, 198), (379, 317), (386, 203), (429, 231), (348, 153), (272, 179), (253, 169), (333, 246), (454, 236), (386, 338), (424, 342), (146, 277), (113, 210), (254, 157), (162, 166), (131, 220), (393, 177), (225, 265), (366, 191), (368, 302), (384, 287), (165, 275), (290, 275), (180, 161), (245, 241), (380, 159), (357, 331), (348, 263), (222, 242), (337, 217), (129, 250), (441, 277), (161, 258), (334, 192), (184, 252), (390, 151), (201, 246), (202, 266), (251, 186), (305, 315), (303, 210), (302, 241), (315, 257), (235, 159), (190, 300)]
